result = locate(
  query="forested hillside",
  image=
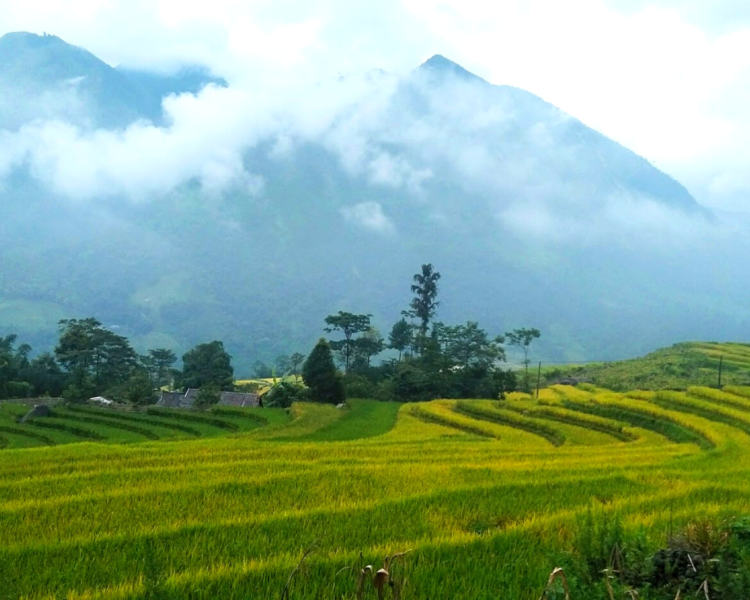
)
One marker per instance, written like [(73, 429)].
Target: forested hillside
[(230, 216)]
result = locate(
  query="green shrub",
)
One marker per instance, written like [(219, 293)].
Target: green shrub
[(358, 386), (283, 395)]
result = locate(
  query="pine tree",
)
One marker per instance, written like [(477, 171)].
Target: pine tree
[(320, 375)]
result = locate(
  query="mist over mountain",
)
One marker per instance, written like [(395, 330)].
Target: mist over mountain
[(44, 77), (179, 209)]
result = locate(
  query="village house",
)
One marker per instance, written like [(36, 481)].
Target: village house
[(187, 399)]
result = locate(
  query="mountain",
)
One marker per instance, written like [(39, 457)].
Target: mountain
[(58, 80), (251, 226)]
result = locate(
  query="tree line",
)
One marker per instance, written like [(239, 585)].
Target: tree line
[(90, 360), (429, 359)]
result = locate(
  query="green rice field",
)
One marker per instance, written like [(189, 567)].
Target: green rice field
[(485, 497)]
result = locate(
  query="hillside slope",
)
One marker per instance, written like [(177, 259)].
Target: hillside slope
[(677, 367), (332, 201)]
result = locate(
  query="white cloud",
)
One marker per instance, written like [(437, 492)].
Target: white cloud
[(667, 78), (622, 221), (369, 215)]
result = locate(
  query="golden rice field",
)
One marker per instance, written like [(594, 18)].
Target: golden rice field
[(486, 495)]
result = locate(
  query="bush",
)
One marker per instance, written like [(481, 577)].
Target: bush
[(412, 384), (704, 551), (19, 389), (208, 395), (79, 393), (283, 395), (385, 391), (358, 386), (138, 390)]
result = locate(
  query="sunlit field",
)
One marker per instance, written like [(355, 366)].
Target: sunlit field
[(485, 497)]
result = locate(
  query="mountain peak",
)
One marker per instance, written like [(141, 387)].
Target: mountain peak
[(440, 65)]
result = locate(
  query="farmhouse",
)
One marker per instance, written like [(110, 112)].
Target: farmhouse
[(187, 400)]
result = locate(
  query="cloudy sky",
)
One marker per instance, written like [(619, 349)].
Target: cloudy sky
[(668, 78)]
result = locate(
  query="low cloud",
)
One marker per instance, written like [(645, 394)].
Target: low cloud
[(447, 144)]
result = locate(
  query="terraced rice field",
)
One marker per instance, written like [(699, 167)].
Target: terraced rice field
[(85, 423), (676, 367), (487, 495), (732, 353)]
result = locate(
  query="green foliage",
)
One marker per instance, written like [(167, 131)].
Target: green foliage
[(349, 325), (209, 395), (90, 352), (522, 338), (207, 364), (45, 375), (706, 558), (12, 362), (469, 347), (414, 384), (456, 362), (261, 370), (677, 367), (424, 305), (80, 391), (22, 378), (367, 346), (283, 394), (139, 390), (250, 387), (359, 386), (283, 365), (321, 377), (400, 337), (158, 363), (19, 389), (296, 361)]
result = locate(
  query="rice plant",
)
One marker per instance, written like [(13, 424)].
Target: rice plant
[(483, 495)]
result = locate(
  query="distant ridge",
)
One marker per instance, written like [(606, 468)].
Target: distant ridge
[(96, 94)]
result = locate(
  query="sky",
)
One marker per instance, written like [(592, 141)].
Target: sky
[(669, 79)]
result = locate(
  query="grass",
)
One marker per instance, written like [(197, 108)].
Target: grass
[(678, 367), (364, 419), (488, 496)]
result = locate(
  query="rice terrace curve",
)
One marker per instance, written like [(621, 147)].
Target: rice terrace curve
[(486, 496)]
